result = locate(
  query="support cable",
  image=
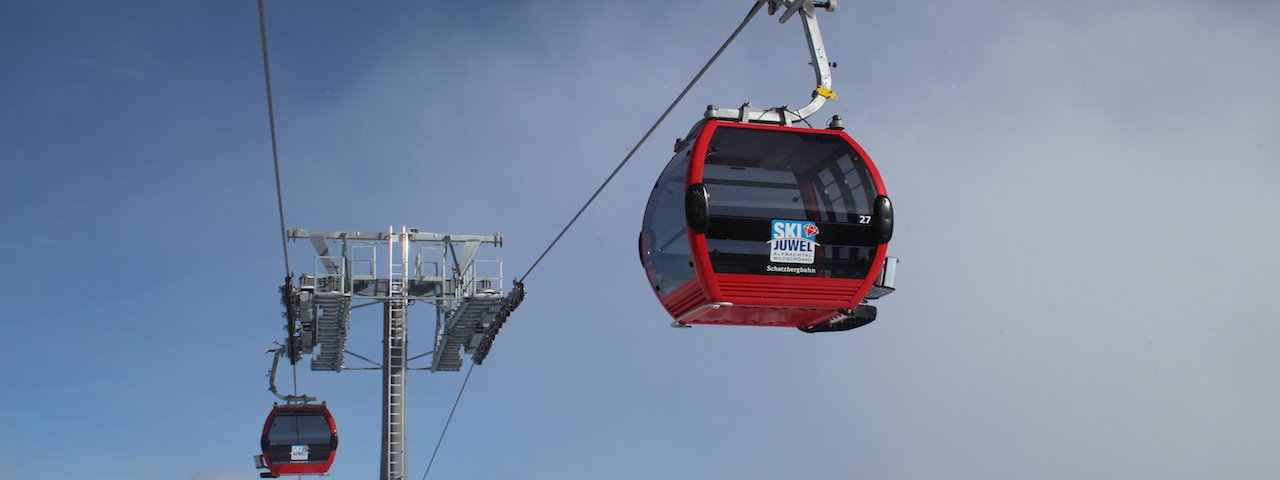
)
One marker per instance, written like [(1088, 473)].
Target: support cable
[(754, 9), (446, 422), (275, 149), (275, 154), (751, 14)]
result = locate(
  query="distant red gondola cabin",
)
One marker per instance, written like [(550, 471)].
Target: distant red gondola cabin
[(299, 440), (754, 224)]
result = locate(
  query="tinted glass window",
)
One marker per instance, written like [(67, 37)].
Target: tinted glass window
[(297, 429), (757, 176), (664, 245)]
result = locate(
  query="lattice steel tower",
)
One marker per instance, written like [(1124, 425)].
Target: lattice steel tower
[(441, 269)]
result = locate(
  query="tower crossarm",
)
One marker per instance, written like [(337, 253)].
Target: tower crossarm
[(472, 326), (413, 236)]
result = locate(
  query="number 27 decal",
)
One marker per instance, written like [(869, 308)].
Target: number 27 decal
[(864, 219)]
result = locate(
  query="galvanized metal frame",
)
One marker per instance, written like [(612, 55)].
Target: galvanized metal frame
[(818, 59), (471, 307)]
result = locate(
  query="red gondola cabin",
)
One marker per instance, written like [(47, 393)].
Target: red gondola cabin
[(754, 224), (298, 440)]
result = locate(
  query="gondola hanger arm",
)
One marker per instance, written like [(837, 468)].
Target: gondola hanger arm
[(817, 58), (278, 352)]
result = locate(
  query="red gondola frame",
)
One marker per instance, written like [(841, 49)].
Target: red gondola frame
[(756, 299), (300, 468)]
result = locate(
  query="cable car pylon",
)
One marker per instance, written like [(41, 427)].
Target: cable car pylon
[(471, 306)]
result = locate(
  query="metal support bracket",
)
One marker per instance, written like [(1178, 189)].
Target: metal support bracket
[(278, 352), (818, 59)]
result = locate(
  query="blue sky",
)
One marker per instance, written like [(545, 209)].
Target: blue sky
[(1085, 196)]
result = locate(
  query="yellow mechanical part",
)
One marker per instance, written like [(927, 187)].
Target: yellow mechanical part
[(827, 92)]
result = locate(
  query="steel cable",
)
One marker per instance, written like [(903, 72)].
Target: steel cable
[(754, 9), (275, 149), (275, 157), (449, 420)]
